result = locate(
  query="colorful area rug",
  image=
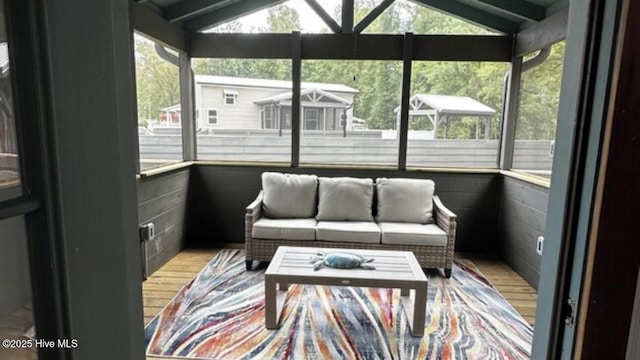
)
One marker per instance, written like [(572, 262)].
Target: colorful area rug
[(220, 315)]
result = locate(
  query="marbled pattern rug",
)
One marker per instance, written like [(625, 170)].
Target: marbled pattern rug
[(220, 315)]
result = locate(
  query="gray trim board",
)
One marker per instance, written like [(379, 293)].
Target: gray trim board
[(548, 32), (520, 8), (406, 94), (184, 10), (187, 104), (342, 46), (296, 73), (347, 16), (93, 207), (156, 27)]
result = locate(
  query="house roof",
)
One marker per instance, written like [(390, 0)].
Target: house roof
[(505, 16), (267, 83), (287, 96), (452, 105)]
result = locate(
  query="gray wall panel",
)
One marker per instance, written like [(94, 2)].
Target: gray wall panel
[(15, 281), (523, 209), (162, 199), (225, 191)]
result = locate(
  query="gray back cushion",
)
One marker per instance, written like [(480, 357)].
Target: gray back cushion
[(345, 198), (405, 200), (289, 195)]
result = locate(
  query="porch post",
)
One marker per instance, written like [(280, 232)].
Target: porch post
[(403, 129), (187, 112), (296, 68)]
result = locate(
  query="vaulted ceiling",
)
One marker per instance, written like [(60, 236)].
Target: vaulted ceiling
[(504, 16)]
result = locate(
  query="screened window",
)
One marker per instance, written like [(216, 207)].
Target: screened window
[(454, 114), (347, 111), (538, 115), (159, 113), (257, 126), (9, 160)]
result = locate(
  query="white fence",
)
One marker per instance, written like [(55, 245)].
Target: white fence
[(528, 154)]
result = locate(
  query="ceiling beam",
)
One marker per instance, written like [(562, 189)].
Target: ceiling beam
[(520, 8), (472, 14), (548, 32), (228, 13), (155, 26), (347, 16), (340, 46), (333, 25), (372, 16), (190, 8)]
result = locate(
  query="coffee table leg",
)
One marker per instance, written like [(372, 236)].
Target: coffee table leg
[(404, 291), (270, 303), (419, 310)]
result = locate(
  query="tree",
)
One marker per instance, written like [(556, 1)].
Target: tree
[(157, 81), (540, 98)]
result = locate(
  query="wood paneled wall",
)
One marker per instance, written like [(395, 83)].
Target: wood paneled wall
[(162, 200), (523, 214), (223, 192)]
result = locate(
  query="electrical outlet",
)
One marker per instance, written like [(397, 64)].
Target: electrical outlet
[(539, 245), (147, 232)]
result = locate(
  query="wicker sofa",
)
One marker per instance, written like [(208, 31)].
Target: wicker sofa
[(391, 214)]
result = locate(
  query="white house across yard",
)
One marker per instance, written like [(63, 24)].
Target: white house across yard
[(224, 102)]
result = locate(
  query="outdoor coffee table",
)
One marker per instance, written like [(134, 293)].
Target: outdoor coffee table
[(394, 269)]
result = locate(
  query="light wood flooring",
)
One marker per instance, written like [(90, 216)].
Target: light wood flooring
[(162, 285)]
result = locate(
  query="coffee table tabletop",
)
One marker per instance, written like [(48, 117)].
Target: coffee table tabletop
[(394, 269)]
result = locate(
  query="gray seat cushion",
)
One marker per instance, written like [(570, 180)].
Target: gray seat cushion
[(288, 229), (397, 233), (289, 195), (345, 198), (348, 231), (405, 200)]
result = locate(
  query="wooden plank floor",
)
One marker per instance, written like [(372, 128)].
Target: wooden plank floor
[(160, 287), (514, 288)]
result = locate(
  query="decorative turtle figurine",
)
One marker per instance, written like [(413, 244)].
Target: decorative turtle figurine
[(341, 260)]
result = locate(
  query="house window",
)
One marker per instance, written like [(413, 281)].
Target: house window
[(230, 97), (213, 117), (311, 119), (268, 118)]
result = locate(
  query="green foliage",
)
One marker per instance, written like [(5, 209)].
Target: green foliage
[(157, 81), (379, 82), (540, 97)]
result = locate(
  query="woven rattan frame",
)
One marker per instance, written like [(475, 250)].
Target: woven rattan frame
[(430, 257)]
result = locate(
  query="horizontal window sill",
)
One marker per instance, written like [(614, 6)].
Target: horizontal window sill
[(528, 177), (163, 169), (345, 166)]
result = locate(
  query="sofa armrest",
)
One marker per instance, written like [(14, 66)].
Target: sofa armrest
[(443, 214), (447, 221), (255, 208), (252, 214)]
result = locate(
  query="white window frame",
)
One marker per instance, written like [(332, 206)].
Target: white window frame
[(209, 116), (229, 95)]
